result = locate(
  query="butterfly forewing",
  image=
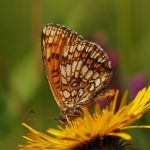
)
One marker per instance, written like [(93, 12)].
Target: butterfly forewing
[(77, 70), (54, 40)]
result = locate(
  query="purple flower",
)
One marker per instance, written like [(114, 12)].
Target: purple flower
[(137, 81)]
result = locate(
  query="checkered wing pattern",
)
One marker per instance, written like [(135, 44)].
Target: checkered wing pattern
[(77, 70)]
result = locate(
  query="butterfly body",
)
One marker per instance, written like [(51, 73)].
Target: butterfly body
[(77, 70)]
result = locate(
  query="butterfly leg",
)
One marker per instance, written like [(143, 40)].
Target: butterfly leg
[(103, 95), (67, 119)]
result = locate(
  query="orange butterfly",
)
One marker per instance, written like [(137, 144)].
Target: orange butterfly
[(77, 70)]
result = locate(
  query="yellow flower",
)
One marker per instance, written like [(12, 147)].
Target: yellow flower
[(104, 128)]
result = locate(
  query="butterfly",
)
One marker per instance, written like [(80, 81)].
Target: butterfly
[(77, 70)]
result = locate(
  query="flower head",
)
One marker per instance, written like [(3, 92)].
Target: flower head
[(102, 129)]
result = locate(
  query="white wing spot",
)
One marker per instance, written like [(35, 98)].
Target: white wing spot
[(84, 70), (74, 64), (85, 98), (92, 87), (69, 104), (53, 32), (96, 55), (95, 75), (50, 40), (103, 78), (65, 52), (103, 60), (71, 50), (63, 71), (75, 84), (76, 74), (99, 58), (97, 82), (68, 71), (63, 80), (48, 53), (88, 74), (73, 93), (93, 53), (89, 49), (70, 56), (79, 47), (109, 64), (66, 94), (80, 92), (79, 65), (63, 99), (47, 32), (63, 35)]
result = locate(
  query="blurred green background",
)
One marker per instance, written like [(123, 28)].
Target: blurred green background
[(122, 27)]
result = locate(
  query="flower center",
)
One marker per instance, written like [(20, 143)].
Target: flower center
[(105, 143)]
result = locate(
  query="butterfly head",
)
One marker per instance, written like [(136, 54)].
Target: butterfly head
[(70, 114)]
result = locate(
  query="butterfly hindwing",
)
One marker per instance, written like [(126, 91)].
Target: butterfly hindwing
[(85, 70)]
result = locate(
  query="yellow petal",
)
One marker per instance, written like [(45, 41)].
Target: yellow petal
[(138, 127), (122, 135)]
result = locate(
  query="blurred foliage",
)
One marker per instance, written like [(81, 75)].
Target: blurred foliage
[(23, 85)]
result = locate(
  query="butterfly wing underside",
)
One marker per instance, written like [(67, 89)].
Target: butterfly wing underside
[(77, 70), (54, 39), (85, 71)]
